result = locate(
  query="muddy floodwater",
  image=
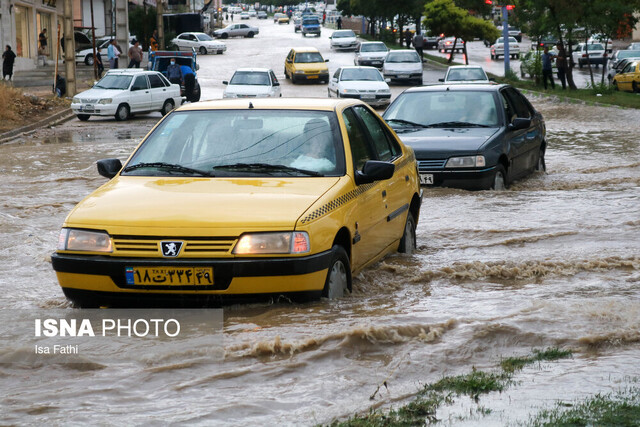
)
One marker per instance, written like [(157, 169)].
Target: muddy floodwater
[(552, 262)]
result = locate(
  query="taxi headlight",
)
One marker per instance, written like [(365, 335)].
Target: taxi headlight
[(229, 95), (75, 100), (353, 91), (299, 72), (384, 91), (296, 242), (83, 240), (466, 162), (105, 101)]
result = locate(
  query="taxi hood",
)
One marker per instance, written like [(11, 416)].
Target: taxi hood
[(127, 203)]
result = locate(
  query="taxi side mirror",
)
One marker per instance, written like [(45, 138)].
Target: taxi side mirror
[(109, 167), (375, 170), (520, 123)]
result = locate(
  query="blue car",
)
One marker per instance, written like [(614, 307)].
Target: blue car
[(470, 136), (310, 25)]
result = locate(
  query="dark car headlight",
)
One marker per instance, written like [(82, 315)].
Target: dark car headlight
[(466, 162)]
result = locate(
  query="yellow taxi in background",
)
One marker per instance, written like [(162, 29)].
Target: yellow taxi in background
[(243, 198), (306, 63), (628, 79)]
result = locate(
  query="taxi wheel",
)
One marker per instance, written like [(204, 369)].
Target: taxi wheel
[(339, 275), (225, 36), (615, 85), (408, 243), (542, 165), (203, 50), (250, 35), (83, 117), (635, 88), (122, 113), (499, 179)]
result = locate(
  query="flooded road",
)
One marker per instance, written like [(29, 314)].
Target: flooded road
[(553, 261)]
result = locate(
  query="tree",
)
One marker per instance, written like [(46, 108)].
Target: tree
[(443, 16)]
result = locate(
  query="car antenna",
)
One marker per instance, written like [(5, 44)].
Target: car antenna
[(250, 105)]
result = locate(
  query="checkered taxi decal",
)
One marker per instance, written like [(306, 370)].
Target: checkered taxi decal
[(334, 204)]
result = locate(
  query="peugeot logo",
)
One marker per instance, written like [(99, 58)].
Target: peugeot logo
[(170, 249)]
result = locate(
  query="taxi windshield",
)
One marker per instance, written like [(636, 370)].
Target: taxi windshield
[(308, 57), (253, 78), (359, 74), (373, 47), (242, 143), (112, 81)]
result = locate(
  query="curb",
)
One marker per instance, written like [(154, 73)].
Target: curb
[(57, 118)]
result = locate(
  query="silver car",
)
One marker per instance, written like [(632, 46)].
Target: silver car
[(201, 42), (236, 30), (371, 53)]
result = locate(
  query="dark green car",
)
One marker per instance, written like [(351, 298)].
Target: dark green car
[(470, 136)]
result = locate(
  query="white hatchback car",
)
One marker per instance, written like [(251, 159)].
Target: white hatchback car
[(203, 43), (123, 92), (343, 39), (465, 74), (364, 83), (252, 83), (403, 65)]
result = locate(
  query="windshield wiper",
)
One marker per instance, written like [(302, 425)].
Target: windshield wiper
[(458, 125), (407, 122), (267, 167), (169, 166)]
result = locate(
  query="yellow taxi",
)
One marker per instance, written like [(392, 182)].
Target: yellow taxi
[(283, 19), (628, 79), (243, 198), (306, 63)]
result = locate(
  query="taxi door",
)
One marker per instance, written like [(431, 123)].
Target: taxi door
[(139, 96), (396, 193), (288, 64), (369, 216)]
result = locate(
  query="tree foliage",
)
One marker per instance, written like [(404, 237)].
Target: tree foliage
[(444, 17)]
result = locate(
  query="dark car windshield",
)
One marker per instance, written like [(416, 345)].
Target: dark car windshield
[(306, 57), (114, 81), (373, 47), (403, 57), (433, 108), (250, 78), (367, 74), (246, 143), (466, 74), (310, 21)]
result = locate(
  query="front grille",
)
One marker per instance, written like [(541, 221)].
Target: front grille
[(88, 101), (246, 96), (193, 247), (429, 165)]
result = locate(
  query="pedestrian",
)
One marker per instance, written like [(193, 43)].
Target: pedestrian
[(547, 69), (189, 78), (99, 63), (112, 54), (61, 86), (8, 57), (153, 41), (226, 16), (407, 38), (339, 22), (135, 55), (42, 38), (324, 18), (418, 43), (231, 16), (561, 63), (174, 73)]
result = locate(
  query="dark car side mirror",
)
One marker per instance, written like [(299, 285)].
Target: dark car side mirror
[(375, 170), (109, 167), (326, 60), (441, 80), (224, 82), (519, 123)]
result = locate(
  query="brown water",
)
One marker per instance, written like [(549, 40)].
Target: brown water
[(554, 261)]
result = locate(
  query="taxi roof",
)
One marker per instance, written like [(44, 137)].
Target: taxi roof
[(305, 49), (321, 104)]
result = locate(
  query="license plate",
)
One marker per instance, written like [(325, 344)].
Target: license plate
[(169, 276), (403, 76), (426, 178), (87, 108), (368, 97), (312, 77)]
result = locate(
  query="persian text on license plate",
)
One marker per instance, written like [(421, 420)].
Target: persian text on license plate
[(403, 76), (312, 77), (426, 178), (87, 108), (169, 276)]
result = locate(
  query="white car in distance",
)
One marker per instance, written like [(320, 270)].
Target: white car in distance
[(497, 49), (465, 74), (364, 83), (252, 83), (123, 92), (343, 39), (203, 43), (403, 65), (371, 54)]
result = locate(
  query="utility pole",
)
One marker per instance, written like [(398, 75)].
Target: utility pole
[(505, 37), (93, 43), (160, 24), (69, 48), (122, 31)]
